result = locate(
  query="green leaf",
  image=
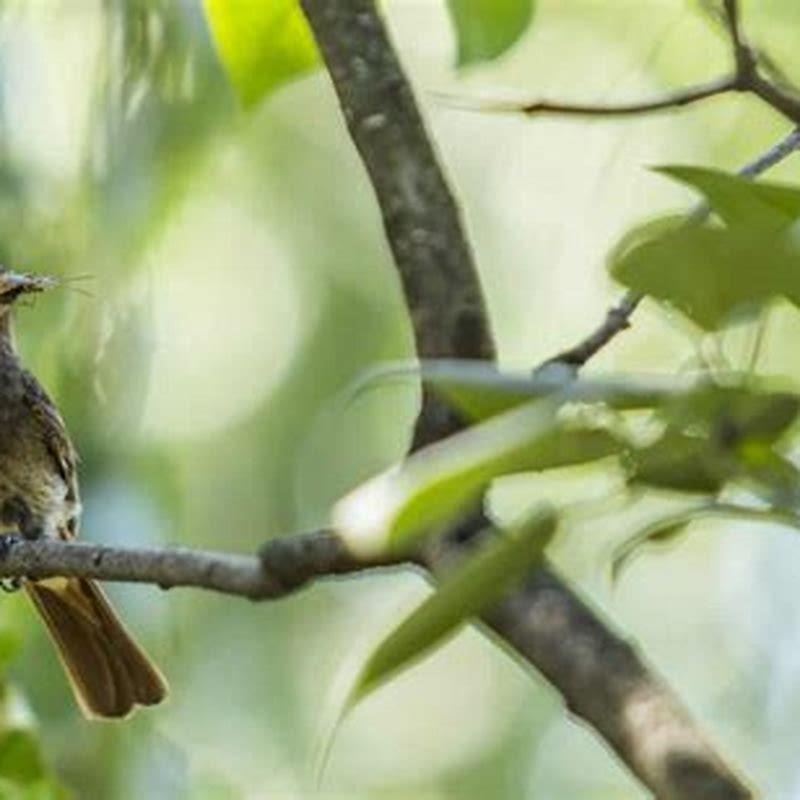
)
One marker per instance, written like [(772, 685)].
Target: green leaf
[(708, 273), (734, 414), (263, 44), (477, 390), (20, 757), (741, 201), (485, 29), (484, 579), (437, 484), (680, 463)]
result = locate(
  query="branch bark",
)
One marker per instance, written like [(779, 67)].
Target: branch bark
[(284, 565), (602, 678)]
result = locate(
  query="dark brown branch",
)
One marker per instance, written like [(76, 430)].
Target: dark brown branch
[(742, 54), (420, 217), (603, 682), (667, 102), (746, 78), (449, 319), (782, 100), (617, 319)]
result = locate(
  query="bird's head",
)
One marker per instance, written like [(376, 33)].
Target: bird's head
[(14, 285)]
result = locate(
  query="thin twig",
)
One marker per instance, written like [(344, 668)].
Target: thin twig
[(667, 102), (745, 78), (742, 55)]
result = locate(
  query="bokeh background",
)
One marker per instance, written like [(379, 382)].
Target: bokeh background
[(238, 281)]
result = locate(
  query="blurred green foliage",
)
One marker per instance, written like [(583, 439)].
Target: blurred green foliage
[(262, 45), (240, 281)]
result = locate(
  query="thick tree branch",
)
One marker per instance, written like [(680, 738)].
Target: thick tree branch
[(450, 320)]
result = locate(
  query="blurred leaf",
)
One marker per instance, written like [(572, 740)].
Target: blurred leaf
[(263, 44), (665, 531), (734, 414), (20, 757), (477, 390), (10, 643), (477, 584), (680, 463), (716, 434), (435, 485), (707, 273), (741, 201), (485, 29)]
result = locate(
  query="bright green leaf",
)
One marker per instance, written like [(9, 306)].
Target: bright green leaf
[(437, 484), (739, 200), (262, 43), (476, 585), (485, 29), (708, 273)]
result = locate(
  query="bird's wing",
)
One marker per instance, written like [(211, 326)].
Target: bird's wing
[(53, 432)]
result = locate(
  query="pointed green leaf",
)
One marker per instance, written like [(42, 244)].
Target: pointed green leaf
[(739, 200), (262, 43), (437, 484), (483, 580), (485, 29), (679, 463), (708, 273)]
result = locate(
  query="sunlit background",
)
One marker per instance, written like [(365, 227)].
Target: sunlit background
[(238, 280)]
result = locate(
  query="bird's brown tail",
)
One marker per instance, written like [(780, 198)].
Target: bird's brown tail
[(109, 673)]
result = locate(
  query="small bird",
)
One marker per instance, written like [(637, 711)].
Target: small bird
[(109, 673)]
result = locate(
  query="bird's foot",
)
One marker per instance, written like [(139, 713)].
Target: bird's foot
[(13, 584)]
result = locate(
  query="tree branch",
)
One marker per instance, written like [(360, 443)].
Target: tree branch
[(449, 319), (746, 78), (667, 102), (285, 564)]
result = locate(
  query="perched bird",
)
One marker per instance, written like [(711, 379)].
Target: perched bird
[(109, 673)]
